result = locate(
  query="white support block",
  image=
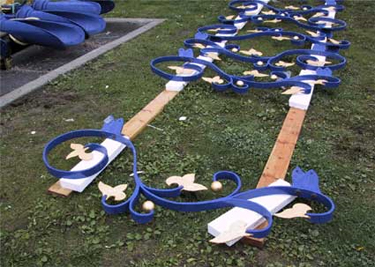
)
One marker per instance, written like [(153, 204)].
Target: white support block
[(273, 203), (113, 148), (302, 101)]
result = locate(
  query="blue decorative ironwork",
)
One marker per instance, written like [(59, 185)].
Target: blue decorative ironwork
[(305, 58), (305, 185), (53, 24)]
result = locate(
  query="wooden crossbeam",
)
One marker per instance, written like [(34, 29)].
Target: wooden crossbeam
[(131, 128), (278, 162)]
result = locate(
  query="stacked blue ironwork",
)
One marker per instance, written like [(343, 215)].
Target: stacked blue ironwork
[(305, 184), (53, 24)]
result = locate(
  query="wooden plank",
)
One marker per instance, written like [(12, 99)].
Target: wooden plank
[(57, 189), (136, 124), (131, 129), (279, 160)]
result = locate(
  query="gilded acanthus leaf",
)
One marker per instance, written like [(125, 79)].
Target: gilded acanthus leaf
[(255, 73), (317, 63), (284, 64), (251, 52), (117, 192), (187, 182), (281, 38), (273, 21), (293, 90), (213, 55), (181, 70), (270, 12), (79, 151), (298, 210), (215, 79)]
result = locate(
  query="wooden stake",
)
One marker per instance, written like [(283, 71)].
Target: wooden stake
[(278, 162), (131, 129)]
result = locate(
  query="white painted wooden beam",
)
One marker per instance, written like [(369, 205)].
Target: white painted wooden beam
[(115, 148), (302, 101), (273, 203)]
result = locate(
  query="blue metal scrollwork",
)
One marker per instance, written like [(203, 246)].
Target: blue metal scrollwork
[(305, 185), (304, 57)]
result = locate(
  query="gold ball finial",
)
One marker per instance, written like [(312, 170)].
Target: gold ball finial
[(148, 205), (240, 83), (216, 186)]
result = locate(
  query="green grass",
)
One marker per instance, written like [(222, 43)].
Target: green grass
[(223, 131)]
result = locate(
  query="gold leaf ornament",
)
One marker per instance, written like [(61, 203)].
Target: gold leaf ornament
[(79, 151), (280, 38), (270, 12), (181, 70), (236, 230), (292, 7), (317, 63), (313, 34), (298, 210), (200, 46), (254, 31), (315, 82), (251, 52), (300, 18), (284, 64), (334, 41), (187, 182), (213, 55), (215, 79), (255, 73), (273, 21), (293, 90), (117, 192)]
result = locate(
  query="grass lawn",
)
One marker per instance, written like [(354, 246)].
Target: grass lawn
[(224, 131)]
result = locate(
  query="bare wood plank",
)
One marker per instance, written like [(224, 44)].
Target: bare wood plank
[(136, 124), (57, 189), (131, 128), (279, 160)]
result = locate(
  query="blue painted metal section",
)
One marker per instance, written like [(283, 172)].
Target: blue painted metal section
[(261, 63), (305, 185), (55, 24)]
